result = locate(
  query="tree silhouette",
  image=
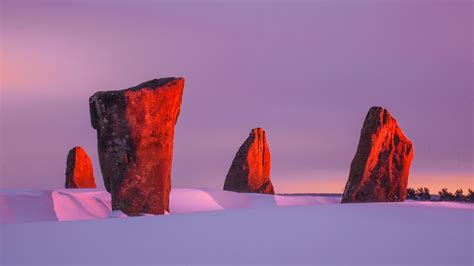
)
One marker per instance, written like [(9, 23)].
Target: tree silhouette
[(459, 196), (444, 195), (411, 193), (470, 196), (423, 193)]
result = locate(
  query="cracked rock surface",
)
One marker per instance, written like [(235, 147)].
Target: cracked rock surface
[(250, 169), (135, 132), (380, 168)]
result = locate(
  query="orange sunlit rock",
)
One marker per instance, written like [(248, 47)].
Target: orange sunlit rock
[(380, 168), (79, 171), (250, 170), (135, 131)]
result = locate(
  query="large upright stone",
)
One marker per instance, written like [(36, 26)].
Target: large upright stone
[(79, 171), (250, 170), (135, 131), (380, 168)]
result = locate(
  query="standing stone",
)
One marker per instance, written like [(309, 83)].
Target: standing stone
[(380, 168), (135, 131), (79, 171), (250, 170)]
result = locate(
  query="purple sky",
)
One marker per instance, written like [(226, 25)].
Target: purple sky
[(306, 72)]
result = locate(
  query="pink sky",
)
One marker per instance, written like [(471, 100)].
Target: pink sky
[(307, 72)]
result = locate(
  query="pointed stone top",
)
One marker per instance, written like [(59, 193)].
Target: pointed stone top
[(379, 118), (257, 131), (379, 113), (78, 149)]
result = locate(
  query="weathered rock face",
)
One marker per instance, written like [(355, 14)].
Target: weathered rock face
[(79, 171), (250, 170), (135, 131), (380, 168)]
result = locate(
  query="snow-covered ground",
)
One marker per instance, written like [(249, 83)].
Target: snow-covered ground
[(27, 205), (209, 226)]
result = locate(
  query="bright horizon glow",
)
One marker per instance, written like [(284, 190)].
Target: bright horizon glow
[(335, 182)]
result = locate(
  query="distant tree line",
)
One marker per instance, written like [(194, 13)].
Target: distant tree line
[(423, 194)]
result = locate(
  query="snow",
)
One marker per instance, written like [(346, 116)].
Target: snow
[(79, 205), (209, 226), (118, 214), (22, 205)]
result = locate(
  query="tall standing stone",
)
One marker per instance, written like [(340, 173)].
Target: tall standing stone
[(135, 132), (380, 168), (79, 171), (250, 169)]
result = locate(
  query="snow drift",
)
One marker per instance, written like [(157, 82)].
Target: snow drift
[(225, 228), (27, 205)]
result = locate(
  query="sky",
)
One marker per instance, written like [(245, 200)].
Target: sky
[(305, 71)]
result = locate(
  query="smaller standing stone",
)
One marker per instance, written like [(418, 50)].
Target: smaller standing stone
[(79, 171), (250, 169)]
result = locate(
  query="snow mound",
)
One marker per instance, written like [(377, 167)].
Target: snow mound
[(184, 200), (27, 205), (79, 205)]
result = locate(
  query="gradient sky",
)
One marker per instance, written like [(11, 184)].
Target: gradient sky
[(307, 72)]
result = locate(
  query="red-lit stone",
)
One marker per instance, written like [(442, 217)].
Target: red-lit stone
[(79, 171), (380, 168), (135, 131), (250, 170)]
